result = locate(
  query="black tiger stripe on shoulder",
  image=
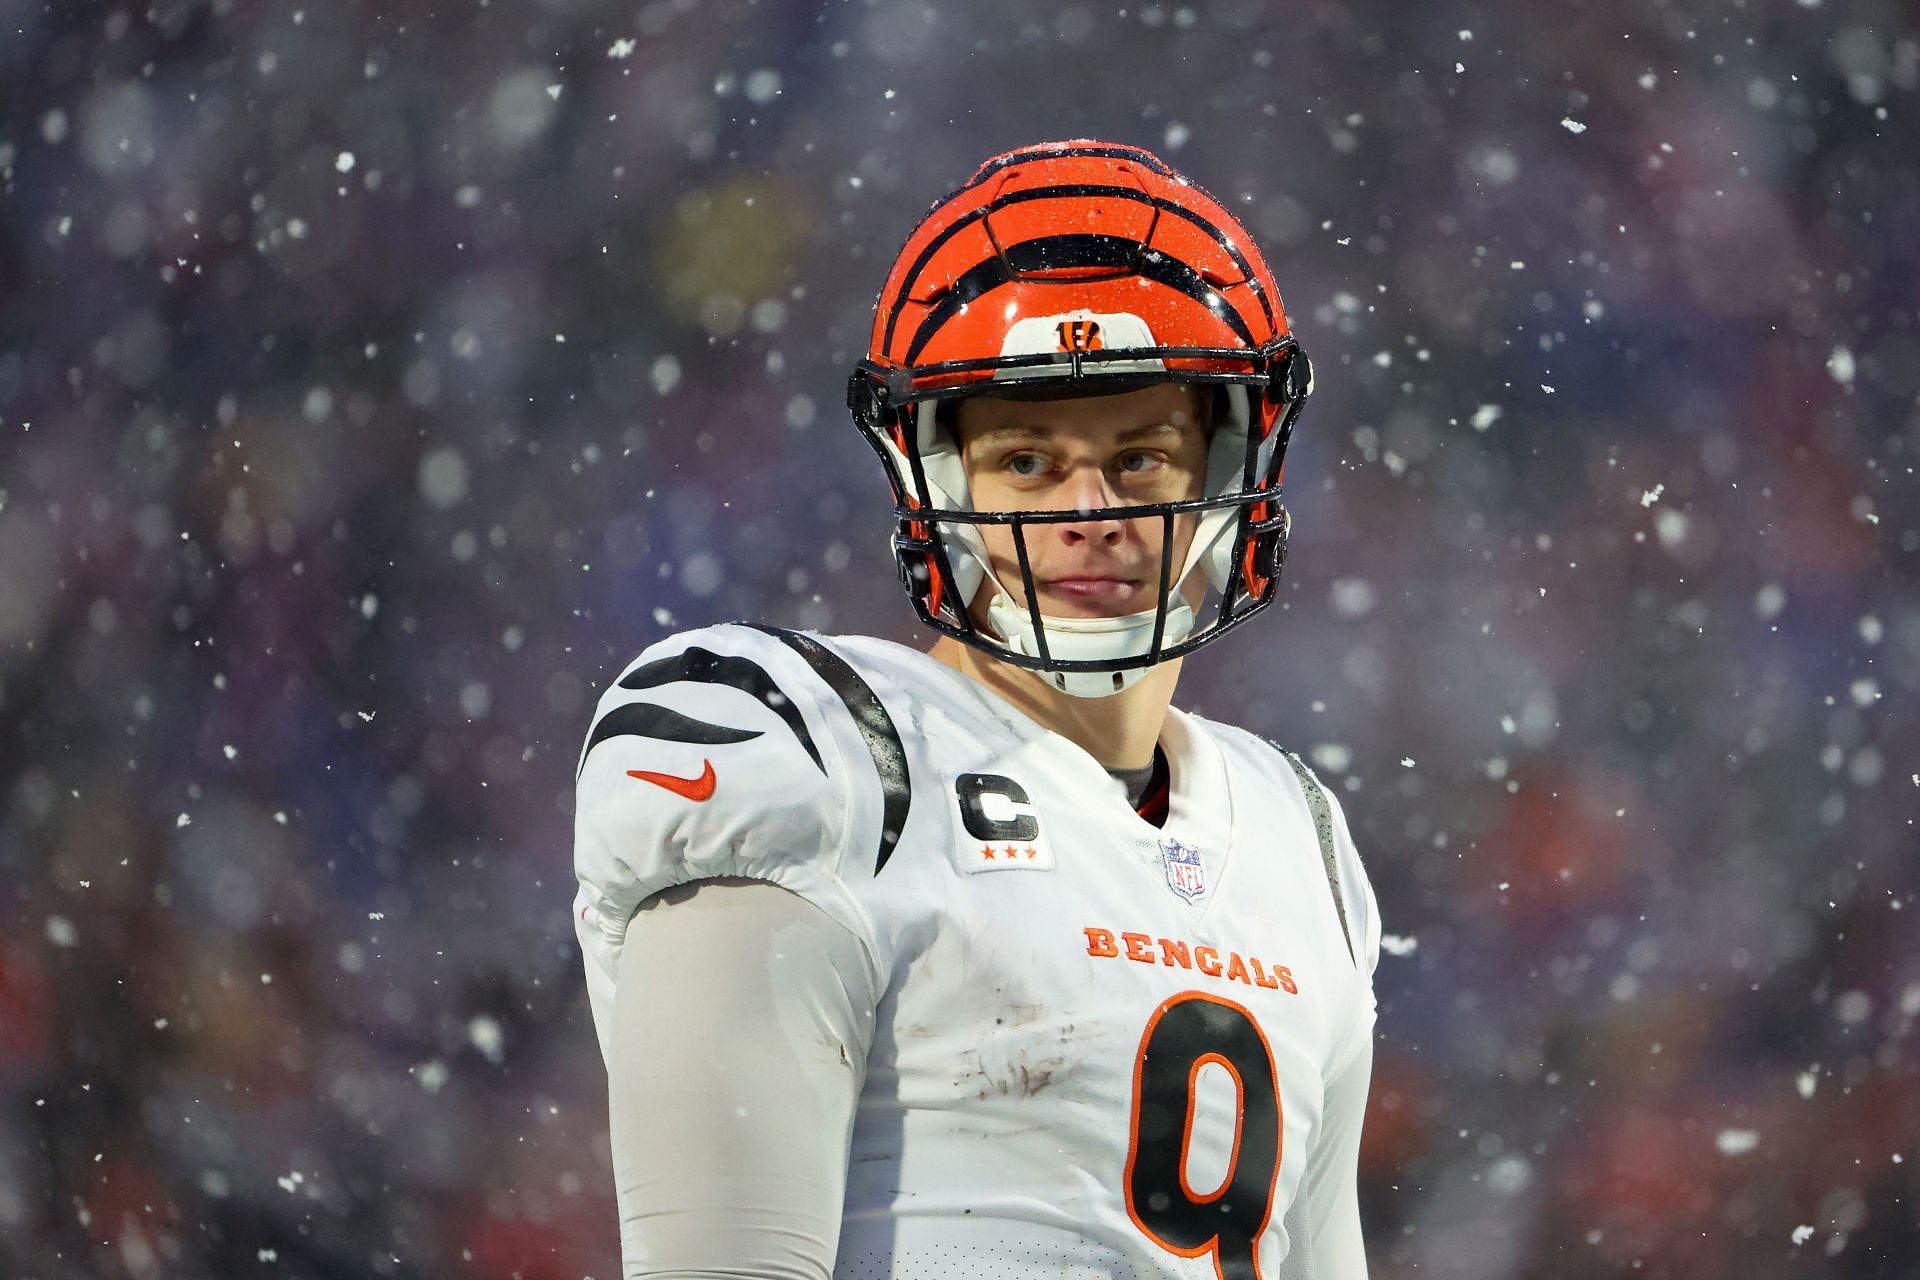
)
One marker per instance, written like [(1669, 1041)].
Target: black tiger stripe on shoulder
[(703, 666), (695, 665), (644, 720), (876, 730)]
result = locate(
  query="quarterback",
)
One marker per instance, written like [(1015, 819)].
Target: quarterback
[(986, 961)]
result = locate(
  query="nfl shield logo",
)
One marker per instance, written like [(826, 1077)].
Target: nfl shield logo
[(1186, 874)]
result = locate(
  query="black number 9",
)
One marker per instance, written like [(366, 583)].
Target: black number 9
[(1184, 1034)]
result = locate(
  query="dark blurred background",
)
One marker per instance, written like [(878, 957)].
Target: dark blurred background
[(377, 379)]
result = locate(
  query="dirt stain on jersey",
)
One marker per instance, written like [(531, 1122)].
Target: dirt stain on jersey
[(1019, 1072), (1014, 1063)]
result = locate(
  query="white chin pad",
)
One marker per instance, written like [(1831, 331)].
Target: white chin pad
[(1089, 639)]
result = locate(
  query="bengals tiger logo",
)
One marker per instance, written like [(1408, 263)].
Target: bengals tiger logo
[(1080, 335)]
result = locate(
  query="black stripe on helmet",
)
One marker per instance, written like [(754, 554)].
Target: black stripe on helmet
[(1058, 252), (1014, 160), (1068, 191)]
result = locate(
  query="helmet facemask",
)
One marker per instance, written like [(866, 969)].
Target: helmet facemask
[(1236, 549)]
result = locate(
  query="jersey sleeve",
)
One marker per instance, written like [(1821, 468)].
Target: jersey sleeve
[(714, 754), (1363, 909), (1323, 1224), (1352, 896), (1324, 1234), (746, 1174)]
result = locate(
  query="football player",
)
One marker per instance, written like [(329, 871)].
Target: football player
[(987, 961)]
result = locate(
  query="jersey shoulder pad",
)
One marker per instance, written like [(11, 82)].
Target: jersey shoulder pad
[(1353, 896), (718, 752)]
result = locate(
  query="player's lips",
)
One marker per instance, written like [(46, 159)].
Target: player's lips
[(1092, 588)]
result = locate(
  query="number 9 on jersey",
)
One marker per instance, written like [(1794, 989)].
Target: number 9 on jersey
[(1186, 1033)]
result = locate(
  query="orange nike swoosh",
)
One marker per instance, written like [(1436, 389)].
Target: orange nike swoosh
[(695, 789)]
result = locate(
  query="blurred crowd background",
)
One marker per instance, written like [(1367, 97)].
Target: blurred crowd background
[(377, 379)]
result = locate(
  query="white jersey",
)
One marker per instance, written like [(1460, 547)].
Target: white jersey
[(1103, 1048)]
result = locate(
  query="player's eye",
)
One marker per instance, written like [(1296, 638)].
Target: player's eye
[(1138, 462), (1025, 465)]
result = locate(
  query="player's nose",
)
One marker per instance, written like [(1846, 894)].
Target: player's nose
[(1088, 488)]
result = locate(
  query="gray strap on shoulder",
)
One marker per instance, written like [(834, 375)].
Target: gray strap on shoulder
[(1323, 825)]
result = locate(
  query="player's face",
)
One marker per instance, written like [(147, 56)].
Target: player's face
[(1083, 454)]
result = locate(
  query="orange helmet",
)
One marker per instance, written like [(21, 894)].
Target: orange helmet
[(1081, 268)]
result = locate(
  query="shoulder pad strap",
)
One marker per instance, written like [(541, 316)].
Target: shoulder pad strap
[(1323, 826)]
